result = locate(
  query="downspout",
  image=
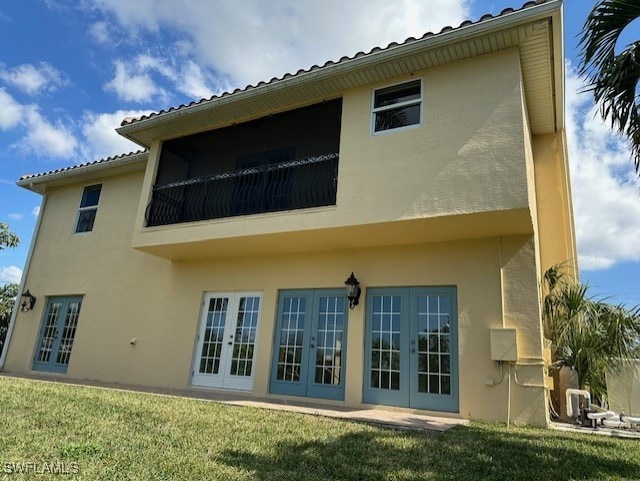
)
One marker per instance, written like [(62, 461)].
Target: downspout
[(502, 315), (16, 307), (500, 263)]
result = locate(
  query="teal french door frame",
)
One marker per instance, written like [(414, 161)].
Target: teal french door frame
[(411, 353), (299, 327), (57, 334)]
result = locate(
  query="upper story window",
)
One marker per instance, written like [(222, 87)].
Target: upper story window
[(397, 107), (88, 208)]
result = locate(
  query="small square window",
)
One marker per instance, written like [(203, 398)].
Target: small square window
[(88, 208), (397, 106)]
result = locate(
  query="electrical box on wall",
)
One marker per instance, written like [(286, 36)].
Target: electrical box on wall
[(503, 344)]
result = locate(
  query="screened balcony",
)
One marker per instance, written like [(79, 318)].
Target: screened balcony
[(282, 162)]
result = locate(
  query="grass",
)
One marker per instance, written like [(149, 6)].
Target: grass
[(134, 436)]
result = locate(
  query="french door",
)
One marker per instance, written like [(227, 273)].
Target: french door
[(411, 348), (57, 334), (308, 352), (225, 352)]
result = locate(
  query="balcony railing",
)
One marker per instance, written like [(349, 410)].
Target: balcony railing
[(295, 184)]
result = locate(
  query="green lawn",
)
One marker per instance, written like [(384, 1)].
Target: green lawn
[(118, 435)]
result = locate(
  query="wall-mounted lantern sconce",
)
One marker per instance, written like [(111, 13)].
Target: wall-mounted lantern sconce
[(27, 301), (353, 291)]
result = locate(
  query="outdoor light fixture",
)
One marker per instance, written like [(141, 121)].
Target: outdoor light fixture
[(27, 301), (353, 291)]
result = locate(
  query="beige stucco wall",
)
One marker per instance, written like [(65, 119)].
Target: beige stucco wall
[(554, 209), (129, 294), (466, 158)]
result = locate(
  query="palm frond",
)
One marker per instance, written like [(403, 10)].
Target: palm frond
[(602, 29), (612, 77)]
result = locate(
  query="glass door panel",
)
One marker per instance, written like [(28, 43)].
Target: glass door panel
[(385, 343), (434, 336), (242, 354), (386, 362), (327, 364), (434, 373), (213, 335), (49, 332), (291, 339), (68, 332)]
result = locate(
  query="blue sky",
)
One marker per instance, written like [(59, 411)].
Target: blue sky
[(71, 71)]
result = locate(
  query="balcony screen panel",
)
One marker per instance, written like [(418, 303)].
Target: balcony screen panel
[(308, 131)]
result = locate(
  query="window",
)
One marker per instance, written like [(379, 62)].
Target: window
[(397, 106), (88, 208)]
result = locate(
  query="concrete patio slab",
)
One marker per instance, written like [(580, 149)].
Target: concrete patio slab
[(391, 418)]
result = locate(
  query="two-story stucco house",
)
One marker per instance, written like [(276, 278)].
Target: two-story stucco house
[(434, 170)]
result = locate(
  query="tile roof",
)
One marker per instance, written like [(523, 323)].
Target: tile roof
[(81, 166), (466, 23)]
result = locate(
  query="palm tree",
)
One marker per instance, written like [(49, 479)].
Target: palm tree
[(589, 335), (612, 77), (8, 294), (7, 238)]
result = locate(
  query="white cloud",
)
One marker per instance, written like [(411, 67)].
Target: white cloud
[(45, 138), (100, 137), (100, 32), (16, 216), (11, 112), (138, 79), (42, 137), (195, 82), (146, 62), (606, 196), (11, 274), (33, 79), (130, 86), (35, 211), (262, 40)]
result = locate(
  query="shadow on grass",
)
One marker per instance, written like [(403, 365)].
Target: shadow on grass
[(464, 453)]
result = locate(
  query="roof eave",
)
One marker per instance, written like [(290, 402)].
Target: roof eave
[(39, 183), (551, 9)]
